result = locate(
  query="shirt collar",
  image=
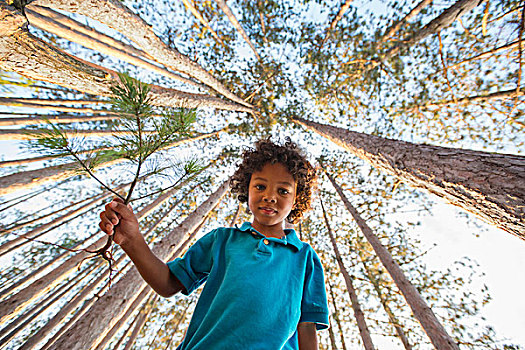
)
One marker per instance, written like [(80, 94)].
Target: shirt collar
[(290, 237)]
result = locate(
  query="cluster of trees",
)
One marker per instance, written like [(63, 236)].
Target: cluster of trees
[(424, 93)]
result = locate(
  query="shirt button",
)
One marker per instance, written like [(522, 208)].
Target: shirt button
[(265, 241)]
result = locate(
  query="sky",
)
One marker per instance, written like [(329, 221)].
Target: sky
[(501, 257)]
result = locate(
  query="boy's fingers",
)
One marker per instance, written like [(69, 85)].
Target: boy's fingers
[(110, 215), (105, 220), (107, 228), (121, 208)]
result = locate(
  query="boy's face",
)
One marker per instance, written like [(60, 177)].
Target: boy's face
[(271, 196)]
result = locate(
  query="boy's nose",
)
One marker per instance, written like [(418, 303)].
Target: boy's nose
[(270, 199)]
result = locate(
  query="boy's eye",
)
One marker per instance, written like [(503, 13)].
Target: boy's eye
[(283, 191), (260, 187)]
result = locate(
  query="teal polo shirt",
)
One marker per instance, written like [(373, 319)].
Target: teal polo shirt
[(257, 289)]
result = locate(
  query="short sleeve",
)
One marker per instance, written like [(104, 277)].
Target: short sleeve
[(314, 305), (193, 268)]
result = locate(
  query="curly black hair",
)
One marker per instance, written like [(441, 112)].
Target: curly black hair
[(289, 155)]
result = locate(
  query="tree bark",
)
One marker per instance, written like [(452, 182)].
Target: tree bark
[(203, 20), (141, 321), (137, 302), (10, 306), (35, 17), (23, 320), (43, 104), (490, 185), (476, 98), (21, 101), (31, 178), (55, 119), (446, 18), (33, 275), (24, 134), (435, 331), (332, 338), (21, 224), (60, 316), (342, 10), (42, 228), (98, 320), (384, 303), (395, 27), (335, 316), (228, 12), (23, 161), (126, 333), (27, 55), (358, 312), (115, 15), (84, 29), (487, 54)]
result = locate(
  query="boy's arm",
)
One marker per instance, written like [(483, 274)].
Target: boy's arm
[(153, 270), (307, 336), (119, 220)]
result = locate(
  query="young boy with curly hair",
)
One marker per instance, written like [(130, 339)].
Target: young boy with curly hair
[(264, 287)]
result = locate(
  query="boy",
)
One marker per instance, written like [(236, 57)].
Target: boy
[(265, 288)]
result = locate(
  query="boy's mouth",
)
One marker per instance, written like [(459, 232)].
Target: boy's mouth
[(267, 210)]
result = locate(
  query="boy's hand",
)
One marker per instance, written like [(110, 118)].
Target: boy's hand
[(119, 220)]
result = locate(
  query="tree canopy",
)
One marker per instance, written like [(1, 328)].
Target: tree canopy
[(425, 98)]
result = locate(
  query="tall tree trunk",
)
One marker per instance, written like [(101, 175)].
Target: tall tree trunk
[(30, 178), (342, 10), (141, 321), (56, 108), (24, 134), (435, 331), (9, 332), (115, 15), (9, 307), (358, 312), (203, 20), (175, 329), (445, 19), (384, 302), (489, 185), (84, 29), (137, 302), (61, 315), (487, 54), (335, 315), (27, 179), (53, 223), (332, 338), (23, 161), (21, 101), (19, 224), (395, 27), (126, 333), (228, 12), (55, 119), (37, 16), (57, 221), (58, 318), (131, 284), (42, 61), (504, 94), (260, 7)]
